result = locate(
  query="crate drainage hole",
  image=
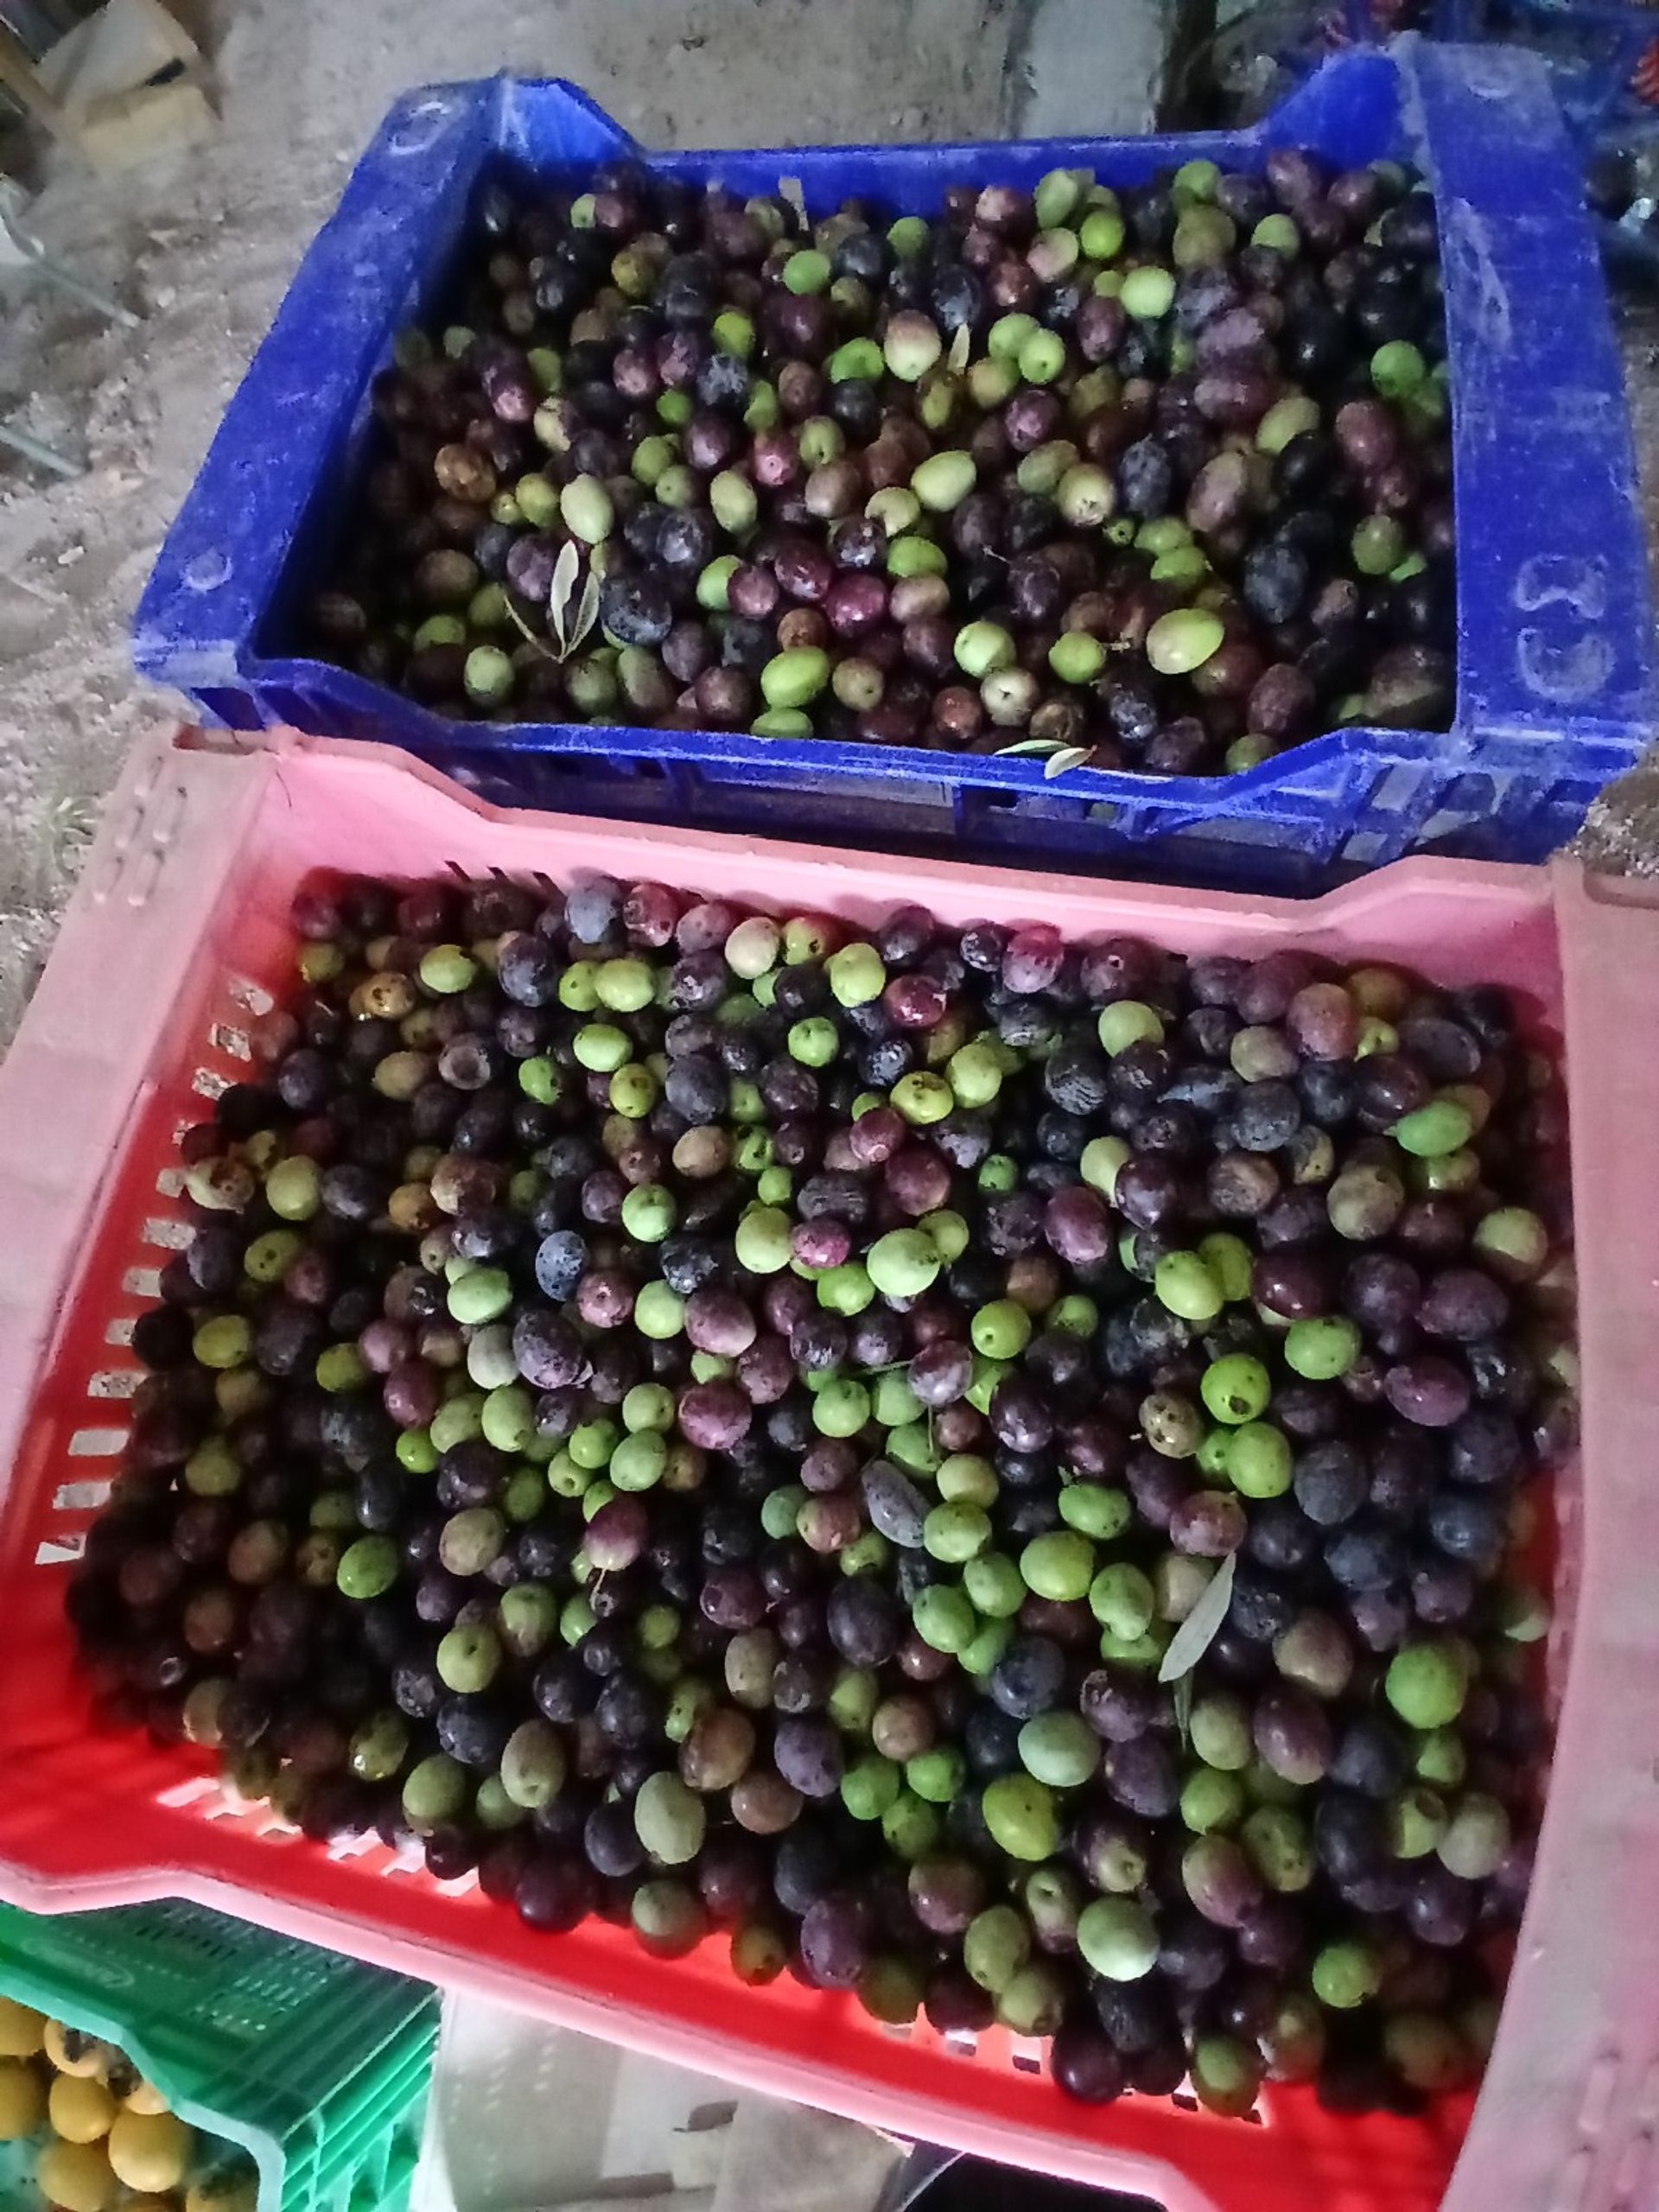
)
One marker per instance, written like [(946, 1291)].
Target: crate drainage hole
[(114, 1382), (96, 1443), (79, 1497), (246, 993)]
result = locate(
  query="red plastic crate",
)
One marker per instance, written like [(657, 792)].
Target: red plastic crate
[(177, 936)]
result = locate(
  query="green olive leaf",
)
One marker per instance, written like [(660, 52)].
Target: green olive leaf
[(1038, 744), (566, 569), (587, 611), (792, 194), (1069, 756), (1182, 1703), (1192, 1638), (961, 346)]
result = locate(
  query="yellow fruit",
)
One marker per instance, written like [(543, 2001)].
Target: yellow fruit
[(81, 2110), (76, 2177), (233, 2188), (145, 2097), (150, 2152), (72, 2052), (23, 2030), (22, 2100)]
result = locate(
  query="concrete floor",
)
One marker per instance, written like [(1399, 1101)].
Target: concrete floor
[(204, 245)]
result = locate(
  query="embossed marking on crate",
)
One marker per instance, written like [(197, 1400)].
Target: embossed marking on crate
[(1571, 661), (144, 876), (1601, 2084), (423, 126), (1628, 2190), (1574, 2182), (207, 571)]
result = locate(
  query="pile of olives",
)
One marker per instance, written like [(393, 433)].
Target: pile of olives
[(1157, 479), (997, 1474)]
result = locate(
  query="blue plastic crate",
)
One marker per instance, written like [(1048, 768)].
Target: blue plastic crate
[(1554, 636)]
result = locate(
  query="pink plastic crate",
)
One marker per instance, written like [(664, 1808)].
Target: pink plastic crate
[(178, 934)]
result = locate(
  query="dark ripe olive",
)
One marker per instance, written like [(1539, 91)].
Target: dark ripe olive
[(1140, 1776), (1221, 1883), (1194, 1952), (1463, 1304), (1485, 1447), (1148, 1191), (1086, 2065), (554, 1893), (1135, 2014), (1028, 1678), (1294, 1284), (807, 1754), (1331, 1481), (1428, 1391), (1469, 1526), (865, 1623), (833, 1939)]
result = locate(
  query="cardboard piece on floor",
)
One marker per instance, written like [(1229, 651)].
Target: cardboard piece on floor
[(128, 84)]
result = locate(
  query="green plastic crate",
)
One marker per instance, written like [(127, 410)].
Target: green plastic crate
[(315, 2065)]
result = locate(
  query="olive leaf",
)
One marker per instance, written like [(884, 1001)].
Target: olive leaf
[(1030, 745), (566, 569), (1182, 1703), (961, 346), (587, 611), (1069, 756), (790, 192), (527, 633), (1193, 1639)]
